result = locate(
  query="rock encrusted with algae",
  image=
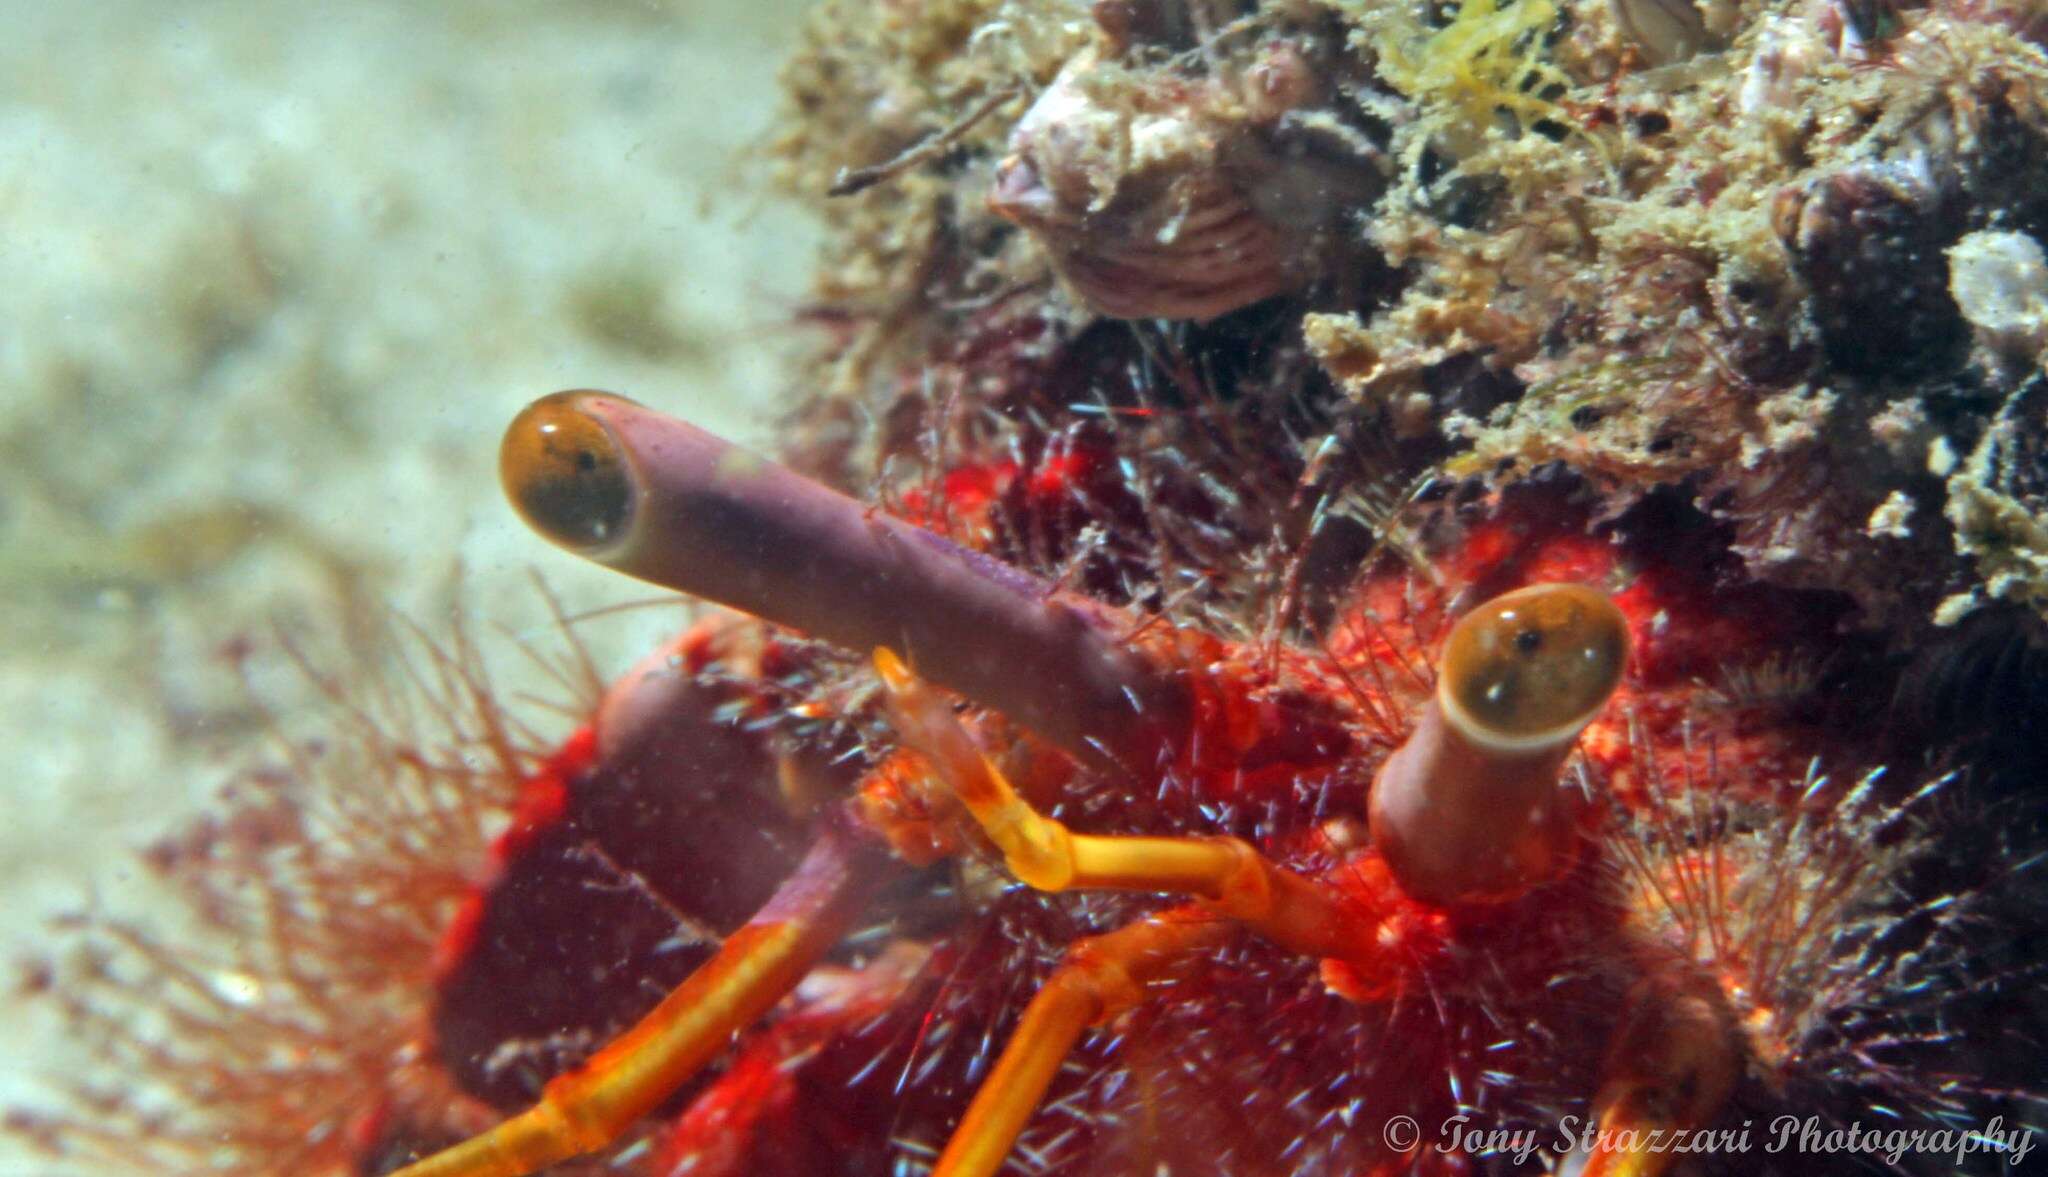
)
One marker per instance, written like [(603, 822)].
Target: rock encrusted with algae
[(1998, 506), (1762, 254)]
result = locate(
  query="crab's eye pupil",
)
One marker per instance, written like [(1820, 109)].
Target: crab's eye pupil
[(1534, 665), (565, 474)]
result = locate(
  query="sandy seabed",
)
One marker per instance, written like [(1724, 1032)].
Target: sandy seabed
[(272, 279)]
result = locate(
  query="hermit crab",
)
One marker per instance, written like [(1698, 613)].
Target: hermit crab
[(1446, 914), (935, 864)]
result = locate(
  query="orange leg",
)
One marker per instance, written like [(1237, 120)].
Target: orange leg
[(1100, 978), (1105, 975), (1235, 879), (587, 1108)]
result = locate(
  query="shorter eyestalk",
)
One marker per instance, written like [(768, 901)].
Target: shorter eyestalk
[(1469, 809), (662, 500)]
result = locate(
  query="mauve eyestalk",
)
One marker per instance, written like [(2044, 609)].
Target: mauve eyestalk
[(665, 501), (1470, 808)]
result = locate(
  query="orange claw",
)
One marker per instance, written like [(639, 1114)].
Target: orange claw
[(1236, 880), (587, 1108)]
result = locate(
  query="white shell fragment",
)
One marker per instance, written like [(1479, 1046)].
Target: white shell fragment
[(2000, 283)]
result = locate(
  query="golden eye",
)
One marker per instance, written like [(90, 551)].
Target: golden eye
[(1528, 669), (566, 474)]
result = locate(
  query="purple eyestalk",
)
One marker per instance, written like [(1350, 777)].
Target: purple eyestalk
[(1469, 809), (662, 500)]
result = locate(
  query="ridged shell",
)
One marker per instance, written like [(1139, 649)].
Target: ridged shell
[(1127, 186)]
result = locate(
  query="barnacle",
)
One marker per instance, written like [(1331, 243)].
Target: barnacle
[(1994, 503), (1868, 241), (2000, 284), (1135, 205), (1188, 187)]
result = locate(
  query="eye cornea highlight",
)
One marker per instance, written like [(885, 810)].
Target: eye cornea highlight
[(566, 475), (1527, 670)]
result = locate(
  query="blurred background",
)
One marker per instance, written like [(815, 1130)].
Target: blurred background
[(273, 278)]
